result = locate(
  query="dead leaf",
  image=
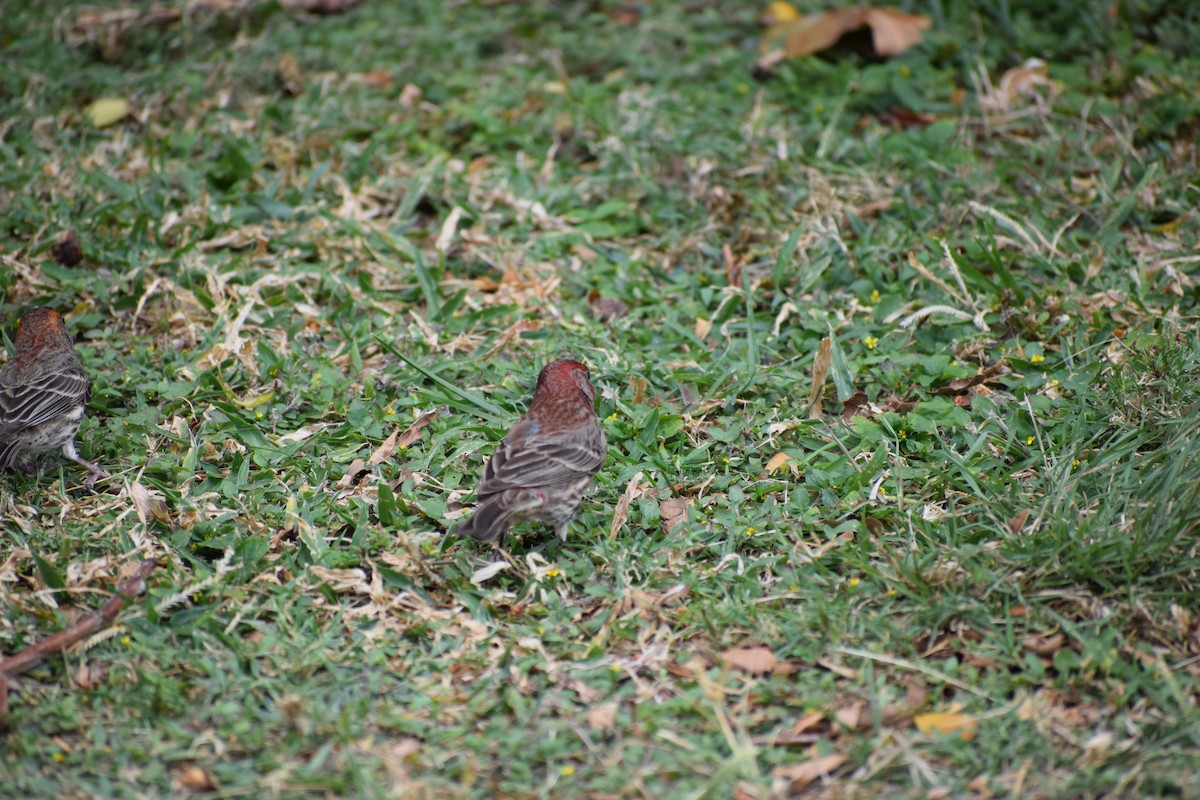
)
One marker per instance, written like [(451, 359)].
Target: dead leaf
[(778, 13), (354, 474), (778, 462), (288, 76), (1025, 80), (88, 677), (702, 328), (606, 309), (853, 715), (413, 432), (1042, 645), (821, 362), (947, 722), (800, 775), (602, 717), (755, 660), (485, 574), (897, 405), (107, 111), (899, 118), (673, 511), (197, 779), (147, 504), (856, 405), (67, 250), (638, 386), (984, 375), (838, 669), (621, 512), (892, 32), (1018, 522)]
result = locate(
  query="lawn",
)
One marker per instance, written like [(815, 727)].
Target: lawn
[(896, 359)]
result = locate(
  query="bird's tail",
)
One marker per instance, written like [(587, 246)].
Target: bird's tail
[(488, 523)]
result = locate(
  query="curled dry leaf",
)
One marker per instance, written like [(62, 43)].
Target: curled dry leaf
[(1042, 645), (485, 574), (892, 32), (755, 660), (1018, 522), (197, 779), (821, 362), (621, 512), (413, 432), (354, 473), (800, 775)]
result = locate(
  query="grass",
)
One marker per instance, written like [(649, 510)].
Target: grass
[(289, 257)]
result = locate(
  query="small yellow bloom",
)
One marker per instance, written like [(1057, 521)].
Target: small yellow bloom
[(568, 770), (903, 434), (890, 592), (871, 341), (874, 296), (882, 492), (1028, 440), (389, 410), (1038, 358), (751, 531), (612, 416), (1051, 384), (126, 640), (259, 415), (552, 572), (818, 109), (725, 459), (59, 757), (1075, 463), (905, 71), (743, 88), (853, 582)]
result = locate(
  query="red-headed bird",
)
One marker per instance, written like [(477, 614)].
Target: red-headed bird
[(543, 465), (43, 393)]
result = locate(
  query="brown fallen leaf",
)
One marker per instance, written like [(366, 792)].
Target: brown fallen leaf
[(899, 118), (960, 385), (755, 660), (196, 779), (673, 511), (853, 715), (1018, 522), (354, 473), (892, 32), (602, 717), (621, 512), (821, 362), (778, 462), (897, 405), (638, 386), (800, 775), (1043, 645), (856, 405), (606, 309), (413, 432), (67, 250)]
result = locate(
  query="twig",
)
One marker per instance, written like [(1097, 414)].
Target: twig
[(38, 652)]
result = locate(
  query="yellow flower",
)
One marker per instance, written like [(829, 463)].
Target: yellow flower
[(853, 582), (871, 341), (552, 572), (890, 592), (743, 88), (1075, 463), (568, 770), (1028, 440), (612, 416), (126, 640), (905, 71), (1038, 358), (59, 757), (389, 410), (751, 531), (874, 296), (1051, 384)]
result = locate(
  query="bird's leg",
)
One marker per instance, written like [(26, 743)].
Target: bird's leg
[(97, 473)]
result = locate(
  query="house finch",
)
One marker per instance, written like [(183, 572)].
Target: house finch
[(43, 392), (540, 469)]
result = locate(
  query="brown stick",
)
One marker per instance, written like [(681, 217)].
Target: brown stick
[(39, 651)]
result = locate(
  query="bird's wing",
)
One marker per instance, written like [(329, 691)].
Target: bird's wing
[(32, 402), (524, 459)]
